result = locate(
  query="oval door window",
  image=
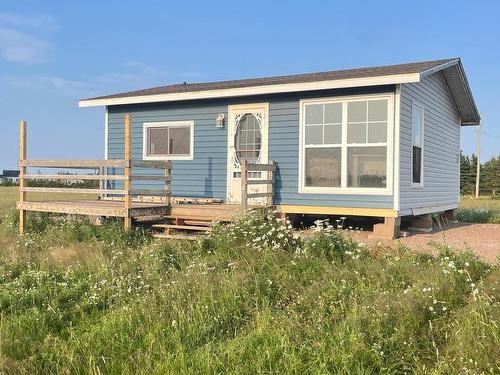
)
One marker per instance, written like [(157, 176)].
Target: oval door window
[(248, 139)]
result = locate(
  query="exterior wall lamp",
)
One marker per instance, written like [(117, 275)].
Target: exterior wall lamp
[(219, 121)]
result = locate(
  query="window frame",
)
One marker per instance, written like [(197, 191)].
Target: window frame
[(167, 124), (389, 144), (417, 185)]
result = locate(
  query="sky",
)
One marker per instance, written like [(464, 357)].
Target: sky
[(53, 53)]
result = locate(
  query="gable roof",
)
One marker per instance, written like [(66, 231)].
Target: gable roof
[(372, 76)]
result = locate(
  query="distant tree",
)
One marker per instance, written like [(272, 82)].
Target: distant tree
[(490, 178), (467, 173)]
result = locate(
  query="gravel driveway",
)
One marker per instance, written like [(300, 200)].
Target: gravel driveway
[(484, 239)]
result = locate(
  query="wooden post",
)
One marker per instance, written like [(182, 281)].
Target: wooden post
[(478, 164), (270, 186), (22, 173), (168, 183), (127, 182), (244, 185)]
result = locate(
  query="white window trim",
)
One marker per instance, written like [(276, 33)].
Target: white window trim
[(167, 124), (415, 185), (389, 146)]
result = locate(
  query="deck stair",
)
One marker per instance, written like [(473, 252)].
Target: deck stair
[(189, 220)]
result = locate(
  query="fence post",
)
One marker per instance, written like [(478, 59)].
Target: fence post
[(127, 182), (244, 185), (168, 183), (270, 186), (22, 173)]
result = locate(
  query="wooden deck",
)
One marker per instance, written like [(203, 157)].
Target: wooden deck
[(125, 199)]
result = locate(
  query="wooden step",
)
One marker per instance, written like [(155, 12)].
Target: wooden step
[(183, 227), (177, 236), (198, 222), (195, 218)]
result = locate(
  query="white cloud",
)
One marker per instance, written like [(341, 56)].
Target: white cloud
[(16, 46), (39, 22), (22, 37), (134, 75)]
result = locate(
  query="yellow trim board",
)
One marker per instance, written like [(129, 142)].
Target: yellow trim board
[(348, 211)]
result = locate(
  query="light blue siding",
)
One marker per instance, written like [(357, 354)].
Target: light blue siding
[(205, 176), (441, 146)]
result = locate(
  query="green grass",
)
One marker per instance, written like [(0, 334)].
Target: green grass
[(251, 298), (10, 194)]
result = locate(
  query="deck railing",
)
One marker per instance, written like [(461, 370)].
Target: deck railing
[(128, 165), (268, 169)]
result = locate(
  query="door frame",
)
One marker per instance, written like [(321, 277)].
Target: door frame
[(264, 106)]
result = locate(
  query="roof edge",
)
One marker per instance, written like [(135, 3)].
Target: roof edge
[(256, 90)]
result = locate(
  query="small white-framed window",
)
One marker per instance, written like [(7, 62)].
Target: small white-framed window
[(417, 136), (168, 140), (346, 145)]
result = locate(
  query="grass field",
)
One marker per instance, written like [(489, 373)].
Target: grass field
[(251, 298), (10, 194)]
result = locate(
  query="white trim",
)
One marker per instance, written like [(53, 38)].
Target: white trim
[(167, 124), (419, 185), (397, 143), (256, 90), (343, 189), (106, 132), (438, 68)]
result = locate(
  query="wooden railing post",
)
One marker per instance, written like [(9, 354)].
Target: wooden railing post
[(168, 183), (270, 185), (127, 182), (244, 184), (22, 173)]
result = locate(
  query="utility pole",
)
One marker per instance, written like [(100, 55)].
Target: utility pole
[(478, 154)]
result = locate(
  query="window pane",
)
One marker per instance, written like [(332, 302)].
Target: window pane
[(366, 167), (314, 114), (248, 138), (377, 132), (356, 133), (356, 112), (158, 141), (322, 167), (179, 139), (314, 135), (417, 126), (377, 110), (417, 164), (333, 134), (333, 113)]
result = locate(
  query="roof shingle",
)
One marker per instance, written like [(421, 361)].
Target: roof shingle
[(415, 67)]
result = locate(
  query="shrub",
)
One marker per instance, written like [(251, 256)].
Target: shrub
[(474, 215)]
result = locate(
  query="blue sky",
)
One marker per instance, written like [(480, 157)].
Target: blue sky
[(54, 53)]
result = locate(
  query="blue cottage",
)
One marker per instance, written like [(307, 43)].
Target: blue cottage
[(378, 142)]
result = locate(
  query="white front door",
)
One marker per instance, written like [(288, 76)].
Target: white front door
[(247, 139)]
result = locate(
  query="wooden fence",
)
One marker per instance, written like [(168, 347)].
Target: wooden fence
[(127, 164), (268, 182)]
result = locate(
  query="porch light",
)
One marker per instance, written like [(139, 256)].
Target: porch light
[(219, 121)]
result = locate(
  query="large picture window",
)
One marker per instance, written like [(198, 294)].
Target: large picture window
[(417, 122), (171, 140), (345, 145)]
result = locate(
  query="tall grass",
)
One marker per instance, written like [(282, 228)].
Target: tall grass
[(249, 298)]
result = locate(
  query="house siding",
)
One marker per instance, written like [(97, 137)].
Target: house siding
[(441, 146), (205, 175)]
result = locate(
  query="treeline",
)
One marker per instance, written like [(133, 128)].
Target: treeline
[(83, 184), (489, 178)]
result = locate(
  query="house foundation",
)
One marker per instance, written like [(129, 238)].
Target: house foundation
[(422, 223), (387, 230), (452, 215)]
